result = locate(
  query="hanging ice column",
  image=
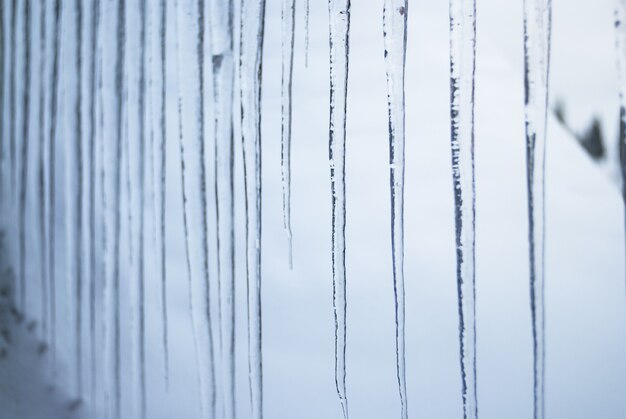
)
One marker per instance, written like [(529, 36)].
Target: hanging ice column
[(620, 31), (462, 69), (537, 20), (250, 61), (191, 48), (223, 84), (395, 35), (339, 13), (288, 32)]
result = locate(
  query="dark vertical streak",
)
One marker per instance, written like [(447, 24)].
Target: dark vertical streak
[(26, 24)]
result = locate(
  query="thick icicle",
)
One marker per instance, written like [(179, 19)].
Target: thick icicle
[(192, 145), (339, 11), (288, 32), (462, 70), (250, 61), (395, 35), (223, 79), (620, 29), (537, 27)]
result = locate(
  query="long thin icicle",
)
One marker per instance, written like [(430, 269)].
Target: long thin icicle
[(192, 146), (395, 35), (142, 172), (537, 27), (76, 196), (41, 191), (288, 35), (251, 64), (159, 74), (23, 179), (94, 31), (223, 79), (462, 70), (339, 11), (52, 140), (620, 32)]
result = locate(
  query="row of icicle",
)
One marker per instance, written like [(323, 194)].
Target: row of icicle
[(113, 133)]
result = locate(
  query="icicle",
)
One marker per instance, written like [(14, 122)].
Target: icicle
[(191, 113), (307, 14), (142, 148), (537, 22), (41, 202), (223, 79), (288, 21), (76, 193), (339, 11), (56, 65), (620, 29), (92, 51), (462, 70), (159, 74), (394, 31), (250, 61), (13, 101), (23, 179)]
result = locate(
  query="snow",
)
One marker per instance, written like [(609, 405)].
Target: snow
[(585, 303)]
